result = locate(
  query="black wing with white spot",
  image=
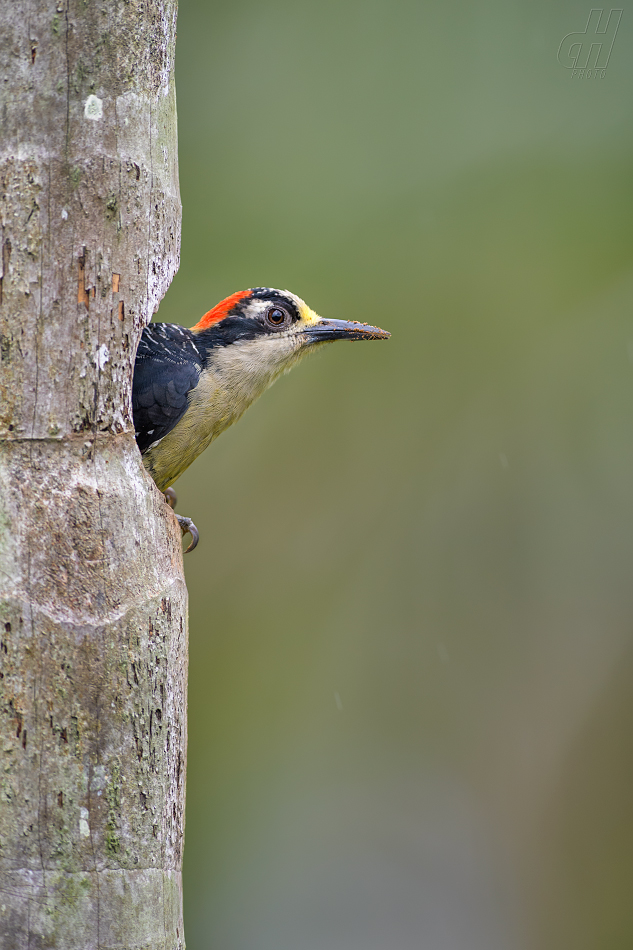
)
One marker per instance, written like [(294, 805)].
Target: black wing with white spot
[(167, 368)]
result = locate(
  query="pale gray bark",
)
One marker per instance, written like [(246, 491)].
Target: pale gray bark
[(93, 605)]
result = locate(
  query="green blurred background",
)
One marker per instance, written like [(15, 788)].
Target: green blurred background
[(411, 681)]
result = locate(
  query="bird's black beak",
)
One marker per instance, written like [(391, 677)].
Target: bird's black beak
[(326, 330)]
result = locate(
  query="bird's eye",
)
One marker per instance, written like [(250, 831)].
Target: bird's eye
[(277, 317)]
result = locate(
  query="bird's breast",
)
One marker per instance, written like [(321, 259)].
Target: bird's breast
[(233, 377)]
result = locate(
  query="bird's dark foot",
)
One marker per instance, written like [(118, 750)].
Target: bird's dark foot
[(187, 526)]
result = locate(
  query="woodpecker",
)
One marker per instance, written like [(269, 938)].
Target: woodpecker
[(191, 384)]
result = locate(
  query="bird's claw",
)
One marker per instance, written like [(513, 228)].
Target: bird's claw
[(187, 526)]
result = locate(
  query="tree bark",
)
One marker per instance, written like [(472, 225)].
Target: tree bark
[(93, 604)]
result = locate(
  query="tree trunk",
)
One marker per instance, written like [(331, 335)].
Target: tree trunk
[(93, 604)]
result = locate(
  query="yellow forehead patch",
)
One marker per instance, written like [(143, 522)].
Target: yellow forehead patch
[(308, 316)]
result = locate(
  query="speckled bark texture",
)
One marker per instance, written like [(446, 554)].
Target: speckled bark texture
[(93, 605)]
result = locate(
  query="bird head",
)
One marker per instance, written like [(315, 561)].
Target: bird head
[(269, 330)]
